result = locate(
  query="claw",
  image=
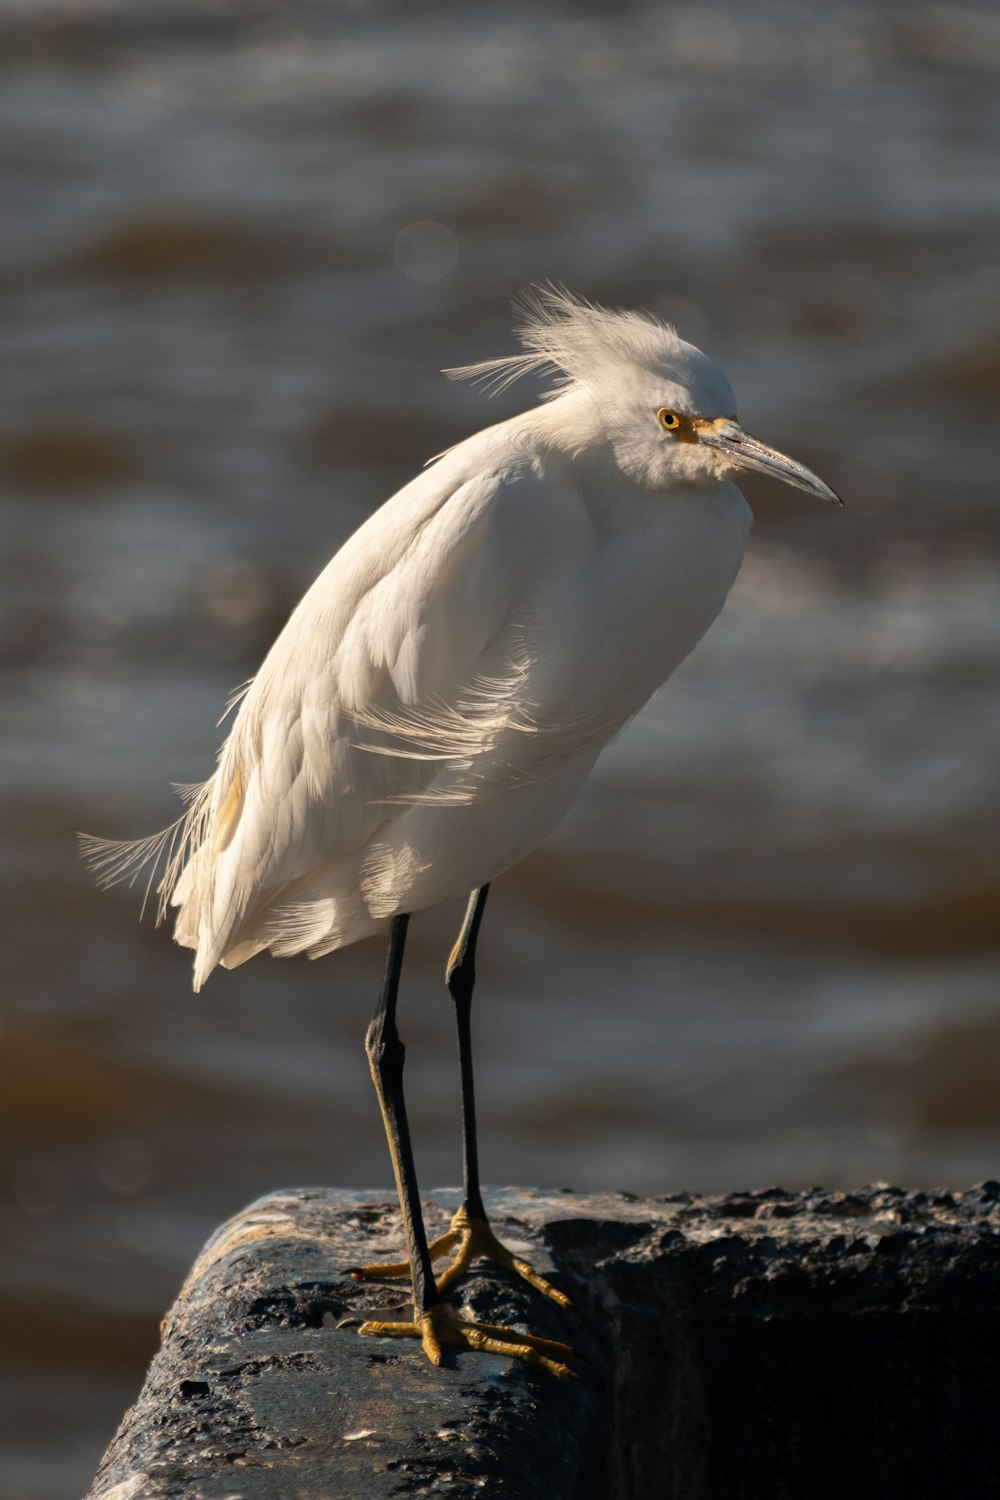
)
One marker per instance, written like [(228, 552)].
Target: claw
[(475, 1241), (442, 1325), (394, 1270)]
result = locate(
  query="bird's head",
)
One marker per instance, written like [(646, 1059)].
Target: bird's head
[(667, 412)]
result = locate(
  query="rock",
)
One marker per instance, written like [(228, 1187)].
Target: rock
[(257, 1392), (762, 1344)]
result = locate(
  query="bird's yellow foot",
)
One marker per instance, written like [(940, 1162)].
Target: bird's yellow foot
[(474, 1240), (442, 1325)]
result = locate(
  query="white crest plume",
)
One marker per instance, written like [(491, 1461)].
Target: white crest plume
[(579, 342)]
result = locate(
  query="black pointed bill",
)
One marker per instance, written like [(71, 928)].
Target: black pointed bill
[(746, 452)]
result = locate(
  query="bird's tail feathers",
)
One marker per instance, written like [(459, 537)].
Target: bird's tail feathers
[(162, 856)]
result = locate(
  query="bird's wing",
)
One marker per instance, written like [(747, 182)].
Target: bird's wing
[(394, 669)]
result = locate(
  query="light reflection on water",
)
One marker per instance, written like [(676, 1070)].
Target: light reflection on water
[(764, 944)]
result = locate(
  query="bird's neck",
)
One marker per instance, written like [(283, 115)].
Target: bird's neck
[(572, 445)]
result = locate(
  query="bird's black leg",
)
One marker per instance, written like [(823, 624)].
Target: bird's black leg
[(385, 1059), (470, 1234), (460, 977), (434, 1323)]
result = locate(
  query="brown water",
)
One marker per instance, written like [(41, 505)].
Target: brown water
[(765, 944)]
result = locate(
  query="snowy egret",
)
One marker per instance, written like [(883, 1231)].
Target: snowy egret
[(438, 697)]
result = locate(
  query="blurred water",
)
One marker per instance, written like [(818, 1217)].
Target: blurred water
[(239, 242)]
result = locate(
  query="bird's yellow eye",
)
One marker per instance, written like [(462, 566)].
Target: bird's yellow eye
[(668, 419)]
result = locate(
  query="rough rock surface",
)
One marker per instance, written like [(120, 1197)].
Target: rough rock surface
[(765, 1344)]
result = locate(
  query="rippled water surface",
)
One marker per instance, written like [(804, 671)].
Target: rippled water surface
[(239, 242)]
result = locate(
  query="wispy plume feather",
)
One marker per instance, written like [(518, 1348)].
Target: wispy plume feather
[(576, 342), (162, 854), (457, 734)]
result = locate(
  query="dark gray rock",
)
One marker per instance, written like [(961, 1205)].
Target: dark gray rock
[(257, 1393), (764, 1344)]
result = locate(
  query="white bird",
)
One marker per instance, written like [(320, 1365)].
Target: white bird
[(440, 694)]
